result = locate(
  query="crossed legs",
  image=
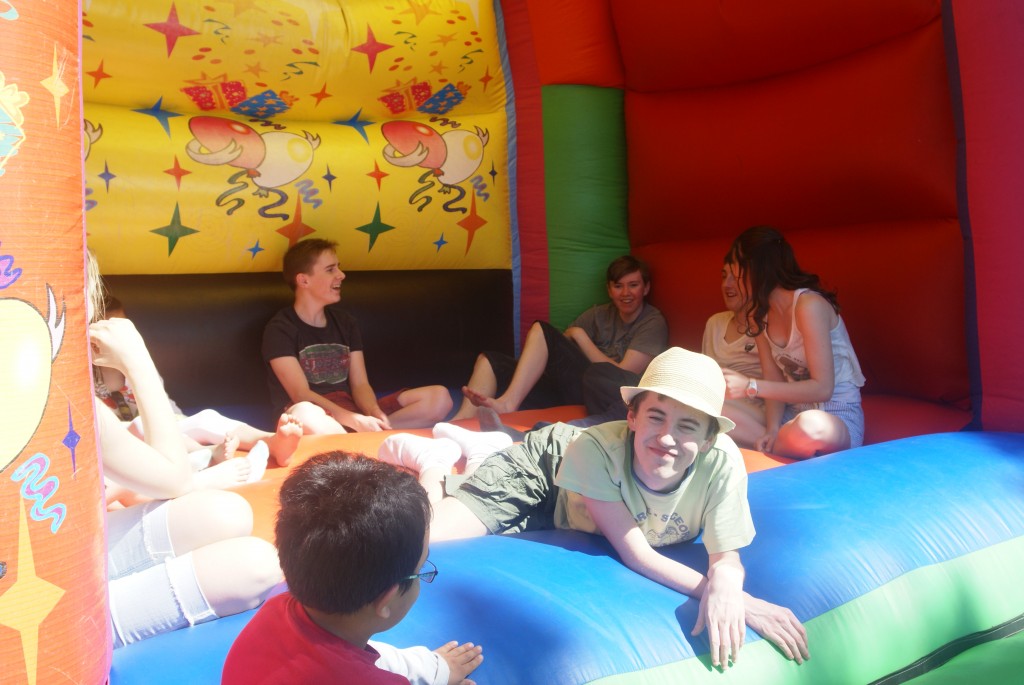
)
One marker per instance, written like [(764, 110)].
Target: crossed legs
[(418, 408)]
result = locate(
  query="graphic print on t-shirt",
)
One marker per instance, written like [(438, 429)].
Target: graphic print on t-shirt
[(793, 369), (325, 363)]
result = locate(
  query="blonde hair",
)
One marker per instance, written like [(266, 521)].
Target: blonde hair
[(95, 291)]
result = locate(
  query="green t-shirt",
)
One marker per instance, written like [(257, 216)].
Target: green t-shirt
[(712, 497)]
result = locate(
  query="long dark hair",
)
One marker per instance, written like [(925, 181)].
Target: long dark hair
[(762, 254)]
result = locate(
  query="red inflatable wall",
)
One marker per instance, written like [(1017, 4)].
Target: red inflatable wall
[(985, 40)]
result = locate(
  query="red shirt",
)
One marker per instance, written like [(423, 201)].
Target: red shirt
[(282, 645)]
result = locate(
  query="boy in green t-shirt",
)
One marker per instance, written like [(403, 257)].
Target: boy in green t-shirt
[(664, 475)]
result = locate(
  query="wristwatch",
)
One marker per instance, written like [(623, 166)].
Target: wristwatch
[(752, 388)]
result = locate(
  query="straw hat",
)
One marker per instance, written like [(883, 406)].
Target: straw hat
[(687, 377)]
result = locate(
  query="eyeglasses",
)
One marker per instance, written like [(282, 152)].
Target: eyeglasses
[(426, 576)]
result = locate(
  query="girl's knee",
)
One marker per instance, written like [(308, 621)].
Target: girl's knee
[(238, 574), (229, 514), (259, 558), (819, 431)]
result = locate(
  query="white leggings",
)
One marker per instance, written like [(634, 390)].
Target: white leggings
[(152, 591)]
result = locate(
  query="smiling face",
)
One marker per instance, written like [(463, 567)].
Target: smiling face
[(668, 436), (627, 294), (323, 281), (734, 288)]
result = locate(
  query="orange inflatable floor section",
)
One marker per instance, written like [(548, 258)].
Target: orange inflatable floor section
[(263, 494)]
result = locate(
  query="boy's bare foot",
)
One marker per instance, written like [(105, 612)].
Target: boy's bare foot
[(461, 659), (479, 400), (286, 440)]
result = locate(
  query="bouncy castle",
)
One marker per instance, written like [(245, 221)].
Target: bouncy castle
[(478, 164)]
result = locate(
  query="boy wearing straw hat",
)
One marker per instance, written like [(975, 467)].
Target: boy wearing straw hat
[(664, 475)]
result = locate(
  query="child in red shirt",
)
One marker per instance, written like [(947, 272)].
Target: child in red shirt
[(319, 631)]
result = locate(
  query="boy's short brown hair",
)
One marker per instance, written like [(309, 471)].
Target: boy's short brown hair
[(301, 256)]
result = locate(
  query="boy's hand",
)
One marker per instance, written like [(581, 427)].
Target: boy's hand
[(722, 611), (382, 418), (462, 660), (766, 443), (361, 422), (735, 384), (779, 626)]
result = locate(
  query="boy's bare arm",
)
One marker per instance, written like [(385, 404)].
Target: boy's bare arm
[(293, 379), (724, 607)]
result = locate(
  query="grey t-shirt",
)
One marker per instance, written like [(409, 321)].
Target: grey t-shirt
[(648, 333)]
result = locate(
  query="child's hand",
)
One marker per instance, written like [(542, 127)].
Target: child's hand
[(116, 344), (462, 660)]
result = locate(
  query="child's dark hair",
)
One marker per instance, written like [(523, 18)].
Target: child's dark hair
[(349, 528), (764, 256), (300, 257), (625, 265)]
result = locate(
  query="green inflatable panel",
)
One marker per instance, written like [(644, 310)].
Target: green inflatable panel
[(585, 175), (999, 661)]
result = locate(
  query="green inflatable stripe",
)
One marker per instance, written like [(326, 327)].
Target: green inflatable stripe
[(585, 180), (881, 632), (999, 661)]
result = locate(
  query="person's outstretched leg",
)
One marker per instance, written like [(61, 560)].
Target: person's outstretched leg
[(282, 442), (475, 446), (432, 459), (228, 472), (453, 520)]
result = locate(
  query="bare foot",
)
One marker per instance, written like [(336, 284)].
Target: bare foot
[(226, 474), (225, 450), (479, 400), (462, 660), (285, 441)]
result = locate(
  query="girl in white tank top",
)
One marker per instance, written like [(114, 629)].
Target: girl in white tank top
[(812, 378)]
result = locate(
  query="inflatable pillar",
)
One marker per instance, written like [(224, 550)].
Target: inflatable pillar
[(53, 611), (986, 54)]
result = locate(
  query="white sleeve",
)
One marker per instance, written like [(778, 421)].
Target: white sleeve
[(420, 665)]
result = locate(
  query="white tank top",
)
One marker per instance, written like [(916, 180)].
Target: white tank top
[(792, 358)]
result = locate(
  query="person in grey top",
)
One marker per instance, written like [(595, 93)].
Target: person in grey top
[(610, 343)]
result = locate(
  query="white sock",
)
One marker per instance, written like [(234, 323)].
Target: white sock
[(257, 457), (207, 427), (419, 453), (477, 446)]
